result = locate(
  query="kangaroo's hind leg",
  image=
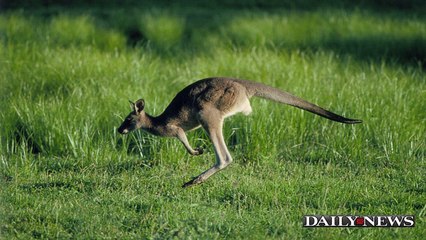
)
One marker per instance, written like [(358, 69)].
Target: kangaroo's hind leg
[(212, 122)]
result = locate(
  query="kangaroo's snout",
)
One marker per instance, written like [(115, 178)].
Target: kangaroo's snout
[(122, 130)]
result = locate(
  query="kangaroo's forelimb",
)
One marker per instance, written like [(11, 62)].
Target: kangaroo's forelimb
[(181, 135)]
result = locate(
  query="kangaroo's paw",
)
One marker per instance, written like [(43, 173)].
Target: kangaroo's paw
[(193, 182), (198, 151)]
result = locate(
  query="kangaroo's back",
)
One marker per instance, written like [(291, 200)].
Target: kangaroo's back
[(223, 94)]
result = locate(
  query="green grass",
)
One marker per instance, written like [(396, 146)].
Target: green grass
[(66, 75)]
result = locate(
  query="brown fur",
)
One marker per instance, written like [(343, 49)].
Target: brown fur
[(206, 103)]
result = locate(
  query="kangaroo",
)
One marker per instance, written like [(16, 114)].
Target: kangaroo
[(207, 103)]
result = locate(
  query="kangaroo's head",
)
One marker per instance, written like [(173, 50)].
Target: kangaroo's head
[(135, 118)]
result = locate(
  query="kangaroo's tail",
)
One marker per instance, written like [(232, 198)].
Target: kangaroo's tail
[(264, 91)]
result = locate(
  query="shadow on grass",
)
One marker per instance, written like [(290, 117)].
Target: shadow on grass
[(80, 186), (171, 28), (115, 168), (408, 51), (408, 5), (23, 134)]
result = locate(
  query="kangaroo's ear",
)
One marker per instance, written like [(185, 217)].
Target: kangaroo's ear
[(132, 105), (139, 105)]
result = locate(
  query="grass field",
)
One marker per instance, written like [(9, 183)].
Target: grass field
[(67, 72)]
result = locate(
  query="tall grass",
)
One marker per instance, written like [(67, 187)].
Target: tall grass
[(66, 77)]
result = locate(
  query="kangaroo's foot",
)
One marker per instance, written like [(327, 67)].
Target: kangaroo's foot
[(193, 182)]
